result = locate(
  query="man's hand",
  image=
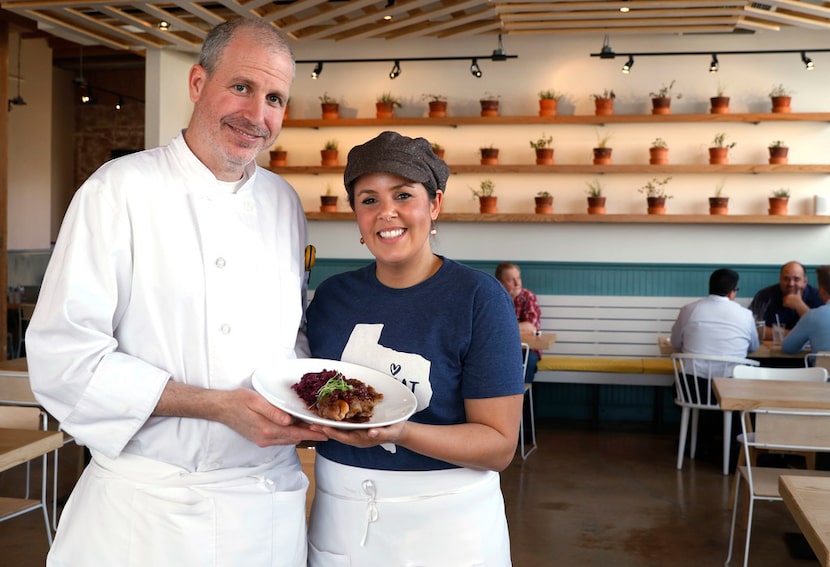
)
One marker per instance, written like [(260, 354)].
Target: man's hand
[(796, 302), (243, 410)]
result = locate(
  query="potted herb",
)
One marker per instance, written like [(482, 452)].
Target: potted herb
[(278, 156), (602, 153), (543, 203), (437, 149), (328, 155), (489, 105), (661, 100), (718, 203), (658, 152), (719, 104), (549, 102), (329, 106), (489, 155), (596, 200), (655, 192), (778, 152), (386, 104), (719, 149), (437, 105), (487, 201), (780, 98), (604, 102), (778, 201), (544, 150), (328, 202)]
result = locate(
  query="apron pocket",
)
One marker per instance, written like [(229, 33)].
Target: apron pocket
[(320, 558)]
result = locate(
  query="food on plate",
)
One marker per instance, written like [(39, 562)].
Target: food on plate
[(336, 397)]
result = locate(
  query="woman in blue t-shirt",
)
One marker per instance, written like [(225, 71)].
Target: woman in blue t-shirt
[(423, 491)]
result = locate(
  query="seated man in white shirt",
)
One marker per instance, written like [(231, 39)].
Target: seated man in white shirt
[(716, 324)]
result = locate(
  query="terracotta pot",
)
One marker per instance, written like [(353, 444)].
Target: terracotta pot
[(489, 156), (488, 204), (661, 105), (384, 110), (656, 205), (778, 205), (279, 158), (544, 156), (658, 156), (596, 205), (603, 106), (544, 205), (718, 205), (328, 157), (778, 154), (719, 105), (718, 155), (437, 108), (548, 106), (602, 156), (331, 110), (489, 107), (439, 152), (328, 203), (781, 104)]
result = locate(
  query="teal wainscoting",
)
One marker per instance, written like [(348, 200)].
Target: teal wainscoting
[(616, 403)]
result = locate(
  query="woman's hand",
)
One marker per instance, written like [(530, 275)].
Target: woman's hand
[(363, 438)]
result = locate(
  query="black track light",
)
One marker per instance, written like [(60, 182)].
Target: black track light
[(18, 100), (607, 52), (626, 69), (396, 70), (474, 69), (714, 65), (808, 63), (318, 68), (120, 104)]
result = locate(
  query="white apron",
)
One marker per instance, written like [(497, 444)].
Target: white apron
[(137, 512), (375, 518)]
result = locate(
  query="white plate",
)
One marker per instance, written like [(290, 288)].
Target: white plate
[(398, 402)]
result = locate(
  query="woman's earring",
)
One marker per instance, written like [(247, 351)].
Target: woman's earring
[(433, 231), (362, 241)]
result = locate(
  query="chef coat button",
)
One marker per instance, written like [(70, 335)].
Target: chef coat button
[(226, 329), (220, 262)]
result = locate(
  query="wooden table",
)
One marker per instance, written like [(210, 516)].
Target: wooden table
[(769, 350), (14, 383), (539, 342), (738, 395), (18, 446), (808, 499)]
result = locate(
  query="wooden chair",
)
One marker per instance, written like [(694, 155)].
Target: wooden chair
[(779, 430), (529, 398), (28, 419), (820, 359), (693, 375)]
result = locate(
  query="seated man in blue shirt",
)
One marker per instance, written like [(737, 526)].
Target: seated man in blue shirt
[(814, 326), (789, 300)]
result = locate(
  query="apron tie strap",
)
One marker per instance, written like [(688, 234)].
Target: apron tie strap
[(371, 509)]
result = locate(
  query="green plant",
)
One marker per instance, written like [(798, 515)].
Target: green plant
[(550, 94), (655, 188), (330, 144), (594, 188), (778, 144), (719, 141), (543, 194), (490, 96), (782, 193), (719, 188), (326, 99), (721, 89), (602, 141), (542, 142), (665, 92), (486, 189), (659, 143), (434, 97), (329, 190), (779, 90), (490, 147), (436, 146), (388, 98), (607, 93)]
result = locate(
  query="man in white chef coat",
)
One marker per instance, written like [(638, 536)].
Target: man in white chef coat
[(177, 273)]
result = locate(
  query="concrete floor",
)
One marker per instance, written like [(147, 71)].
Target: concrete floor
[(584, 498)]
